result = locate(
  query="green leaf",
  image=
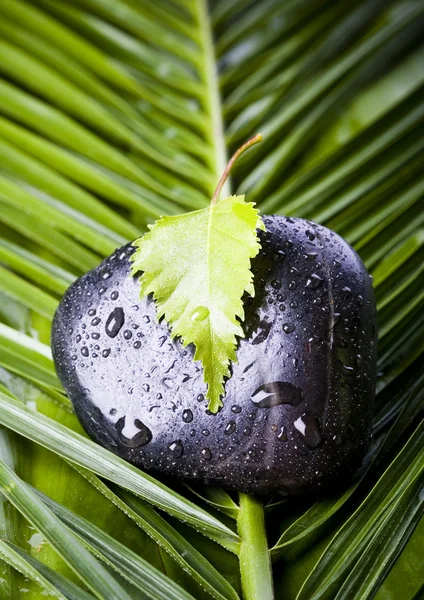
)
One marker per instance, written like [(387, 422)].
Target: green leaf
[(65, 542), (200, 291)]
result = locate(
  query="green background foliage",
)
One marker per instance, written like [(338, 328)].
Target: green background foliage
[(114, 112)]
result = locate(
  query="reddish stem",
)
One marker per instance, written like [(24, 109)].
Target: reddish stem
[(254, 140)]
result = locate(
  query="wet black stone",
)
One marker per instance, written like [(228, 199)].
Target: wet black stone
[(110, 398)]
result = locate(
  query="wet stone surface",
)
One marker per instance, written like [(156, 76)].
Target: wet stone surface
[(298, 407)]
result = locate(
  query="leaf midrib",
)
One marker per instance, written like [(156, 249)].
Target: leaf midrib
[(212, 99)]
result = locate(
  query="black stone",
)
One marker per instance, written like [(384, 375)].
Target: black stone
[(133, 395)]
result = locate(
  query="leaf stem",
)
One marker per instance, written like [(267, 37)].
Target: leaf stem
[(255, 562), (254, 140)]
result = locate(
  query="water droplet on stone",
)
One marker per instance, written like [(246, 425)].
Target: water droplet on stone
[(78, 339), (230, 428), (282, 436), (200, 398), (310, 256), (137, 345), (279, 256), (115, 322), (276, 284), (337, 439), (146, 387), (292, 285), (276, 393), (288, 328), (346, 293), (206, 454), (187, 415), (84, 351), (313, 281), (106, 352), (91, 312), (133, 435), (114, 295), (95, 335), (310, 235), (236, 409), (205, 432), (247, 431), (127, 334), (200, 313), (308, 427), (176, 449), (95, 321)]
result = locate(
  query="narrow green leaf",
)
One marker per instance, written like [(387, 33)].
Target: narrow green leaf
[(168, 538), (134, 568), (61, 538), (20, 562), (353, 537), (386, 545), (27, 294)]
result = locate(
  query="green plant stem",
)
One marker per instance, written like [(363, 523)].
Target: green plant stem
[(212, 102), (255, 563)]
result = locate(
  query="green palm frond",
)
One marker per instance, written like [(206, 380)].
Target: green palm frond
[(113, 112)]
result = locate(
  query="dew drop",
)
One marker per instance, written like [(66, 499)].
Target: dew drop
[(114, 295), (236, 409), (95, 321), (206, 454), (187, 415), (230, 428), (176, 449), (127, 334), (137, 345), (205, 432), (308, 427), (346, 293), (310, 235), (78, 338), (115, 322), (282, 436), (133, 435), (276, 284), (288, 328), (276, 393), (200, 313), (313, 281), (91, 312), (84, 351), (95, 335), (247, 431), (292, 285), (106, 352), (200, 398)]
